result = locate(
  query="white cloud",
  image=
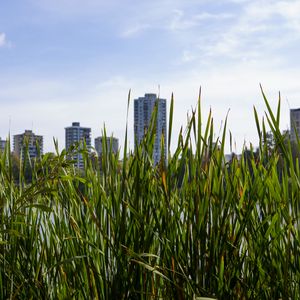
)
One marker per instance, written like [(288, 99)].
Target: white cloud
[(257, 30), (3, 41), (182, 21), (134, 30), (188, 56), (290, 10), (248, 32), (263, 10), (161, 16)]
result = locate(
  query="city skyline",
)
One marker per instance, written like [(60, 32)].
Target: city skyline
[(143, 109), (67, 60), (294, 121)]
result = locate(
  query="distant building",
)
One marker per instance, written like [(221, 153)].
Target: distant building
[(294, 123), (76, 134), (2, 145), (28, 139), (111, 143), (143, 109)]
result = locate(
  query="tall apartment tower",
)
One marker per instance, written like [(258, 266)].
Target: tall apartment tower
[(294, 123), (28, 139), (76, 134), (143, 109), (111, 143)]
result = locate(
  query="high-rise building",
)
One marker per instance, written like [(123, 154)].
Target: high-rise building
[(76, 134), (294, 123), (143, 109), (28, 140), (2, 145), (111, 143)]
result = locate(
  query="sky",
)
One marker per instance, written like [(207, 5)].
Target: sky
[(63, 61)]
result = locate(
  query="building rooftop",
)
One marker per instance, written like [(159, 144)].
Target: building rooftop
[(150, 95), (77, 125)]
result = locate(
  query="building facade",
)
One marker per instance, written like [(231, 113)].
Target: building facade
[(2, 145), (76, 135), (143, 109), (294, 124), (111, 144), (28, 140)]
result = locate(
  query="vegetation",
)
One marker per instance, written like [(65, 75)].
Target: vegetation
[(189, 228)]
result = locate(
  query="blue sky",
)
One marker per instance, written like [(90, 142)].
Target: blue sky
[(75, 60)]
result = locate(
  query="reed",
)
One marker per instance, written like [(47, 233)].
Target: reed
[(194, 226)]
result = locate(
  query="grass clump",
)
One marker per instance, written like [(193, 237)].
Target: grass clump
[(194, 226)]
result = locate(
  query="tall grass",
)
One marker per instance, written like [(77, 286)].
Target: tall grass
[(193, 227)]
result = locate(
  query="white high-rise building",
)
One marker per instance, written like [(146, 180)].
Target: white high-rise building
[(30, 141), (143, 109), (294, 123), (76, 134)]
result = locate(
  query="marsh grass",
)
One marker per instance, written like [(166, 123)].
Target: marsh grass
[(193, 227)]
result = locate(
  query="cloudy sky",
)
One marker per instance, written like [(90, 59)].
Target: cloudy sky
[(75, 60)]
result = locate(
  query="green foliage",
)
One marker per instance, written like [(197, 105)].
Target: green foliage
[(195, 227)]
